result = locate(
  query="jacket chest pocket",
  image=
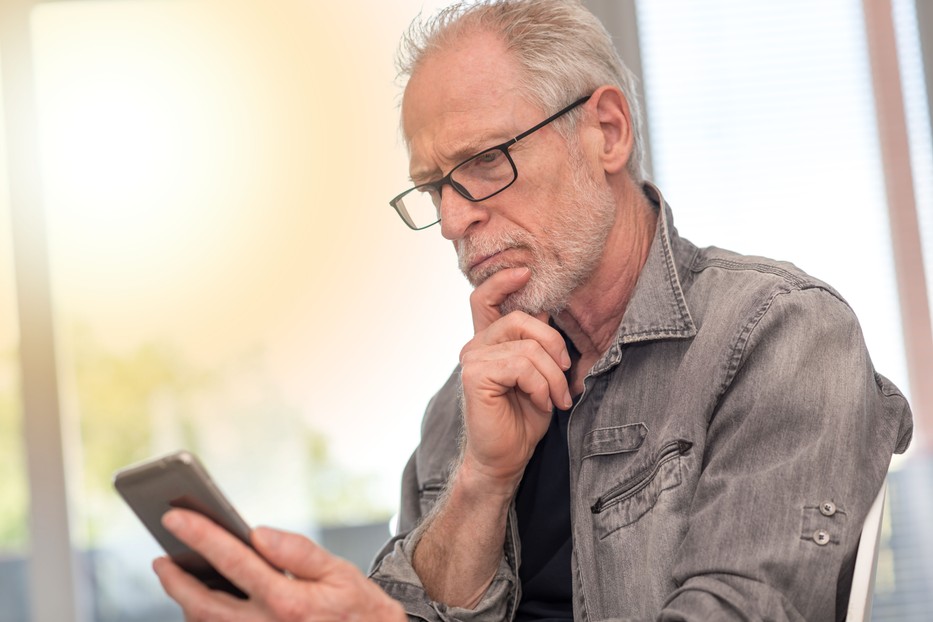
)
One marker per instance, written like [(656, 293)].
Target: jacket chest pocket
[(629, 478)]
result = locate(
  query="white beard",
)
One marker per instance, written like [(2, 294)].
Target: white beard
[(563, 258)]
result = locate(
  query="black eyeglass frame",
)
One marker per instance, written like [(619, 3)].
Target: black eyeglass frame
[(447, 179)]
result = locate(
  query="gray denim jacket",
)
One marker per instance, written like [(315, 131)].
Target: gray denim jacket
[(737, 399)]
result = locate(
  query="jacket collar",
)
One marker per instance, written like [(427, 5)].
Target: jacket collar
[(658, 308)]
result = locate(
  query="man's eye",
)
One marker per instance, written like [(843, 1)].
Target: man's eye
[(489, 157)]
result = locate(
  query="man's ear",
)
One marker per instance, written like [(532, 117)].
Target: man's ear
[(615, 124)]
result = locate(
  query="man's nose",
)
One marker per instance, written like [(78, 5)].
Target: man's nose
[(458, 214)]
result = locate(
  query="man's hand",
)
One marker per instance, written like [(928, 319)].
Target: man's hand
[(512, 376), (322, 587)]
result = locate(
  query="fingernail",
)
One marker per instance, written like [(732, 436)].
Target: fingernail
[(565, 360), (173, 520), (567, 399), (269, 538), (550, 404)]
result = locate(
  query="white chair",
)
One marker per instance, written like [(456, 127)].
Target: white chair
[(866, 561)]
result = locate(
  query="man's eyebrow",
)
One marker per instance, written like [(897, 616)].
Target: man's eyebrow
[(459, 154), (424, 176)]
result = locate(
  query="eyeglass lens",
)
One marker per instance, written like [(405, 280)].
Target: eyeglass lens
[(476, 179)]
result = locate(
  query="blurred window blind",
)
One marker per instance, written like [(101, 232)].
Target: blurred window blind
[(764, 142), (920, 136)]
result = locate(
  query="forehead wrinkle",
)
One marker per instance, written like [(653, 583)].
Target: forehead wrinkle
[(442, 119), (454, 155)]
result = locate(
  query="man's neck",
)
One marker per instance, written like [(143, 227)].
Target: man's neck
[(591, 319)]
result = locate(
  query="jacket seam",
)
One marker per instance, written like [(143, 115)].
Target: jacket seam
[(740, 345), (794, 279)]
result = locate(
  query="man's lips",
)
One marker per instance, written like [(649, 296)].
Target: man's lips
[(480, 260), (502, 258)]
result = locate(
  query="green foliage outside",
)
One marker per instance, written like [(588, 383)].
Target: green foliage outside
[(338, 497), (116, 394)]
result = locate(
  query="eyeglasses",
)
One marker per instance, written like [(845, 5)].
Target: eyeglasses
[(476, 179)]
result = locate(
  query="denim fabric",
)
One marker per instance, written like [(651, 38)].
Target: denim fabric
[(737, 399)]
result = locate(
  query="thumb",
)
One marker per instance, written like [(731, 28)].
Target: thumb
[(294, 553)]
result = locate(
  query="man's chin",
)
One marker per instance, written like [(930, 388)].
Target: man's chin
[(529, 298), (515, 302), (534, 300), (478, 277), (523, 300)]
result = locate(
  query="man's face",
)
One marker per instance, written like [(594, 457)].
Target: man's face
[(556, 216)]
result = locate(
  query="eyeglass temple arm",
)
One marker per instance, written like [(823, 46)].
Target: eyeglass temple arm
[(551, 118)]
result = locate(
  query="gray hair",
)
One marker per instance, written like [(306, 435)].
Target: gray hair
[(563, 50)]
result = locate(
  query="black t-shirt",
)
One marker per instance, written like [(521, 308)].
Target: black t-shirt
[(543, 508)]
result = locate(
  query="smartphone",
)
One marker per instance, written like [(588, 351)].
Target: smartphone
[(179, 480)]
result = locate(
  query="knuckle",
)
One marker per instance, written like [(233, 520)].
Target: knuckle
[(235, 565), (534, 353), (467, 354), (541, 383), (199, 533), (198, 611), (537, 385), (556, 340), (524, 365), (387, 608), (196, 529), (468, 373), (288, 609), (528, 347)]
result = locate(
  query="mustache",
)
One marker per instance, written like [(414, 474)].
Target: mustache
[(472, 248)]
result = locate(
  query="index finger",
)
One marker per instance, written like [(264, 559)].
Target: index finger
[(225, 552), (295, 553), (193, 596), (491, 293), (520, 326)]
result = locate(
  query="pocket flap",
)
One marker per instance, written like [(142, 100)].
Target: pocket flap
[(614, 440)]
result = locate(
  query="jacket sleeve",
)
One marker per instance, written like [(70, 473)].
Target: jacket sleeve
[(423, 481), (797, 448)]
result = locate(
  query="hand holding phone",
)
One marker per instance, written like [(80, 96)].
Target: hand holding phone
[(319, 583), (179, 480)]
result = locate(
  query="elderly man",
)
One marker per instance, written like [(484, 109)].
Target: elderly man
[(639, 429)]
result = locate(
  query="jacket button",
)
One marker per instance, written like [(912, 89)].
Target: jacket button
[(827, 508), (821, 537)]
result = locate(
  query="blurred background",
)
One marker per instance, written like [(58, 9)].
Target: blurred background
[(196, 250)]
